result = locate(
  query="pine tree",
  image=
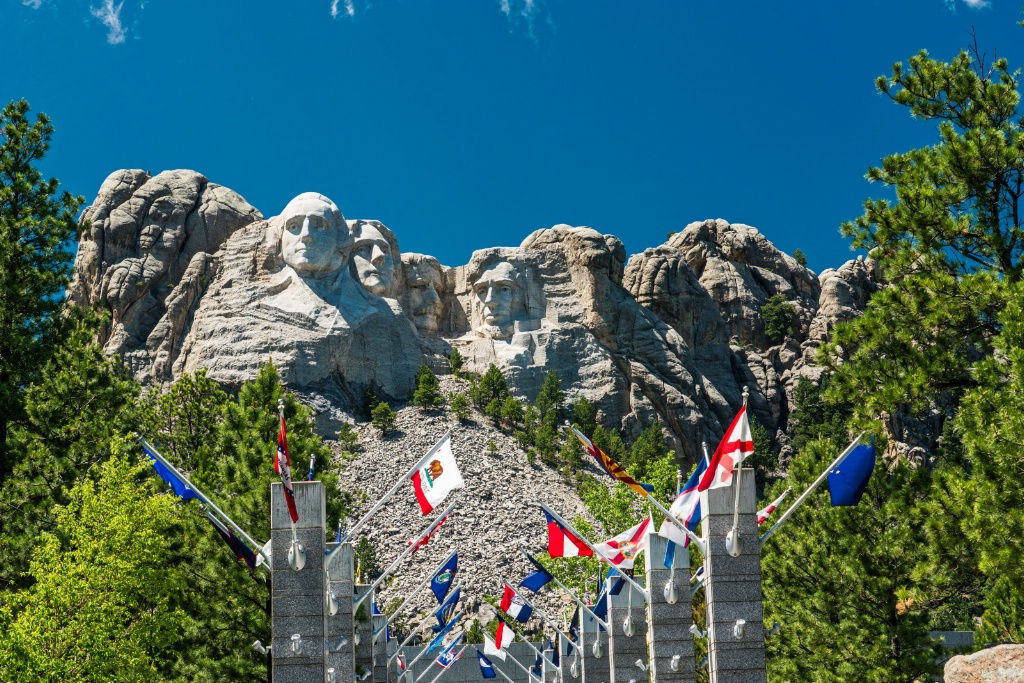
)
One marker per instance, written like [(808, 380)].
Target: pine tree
[(779, 318), (384, 418), (551, 398), (584, 415), (492, 386), (427, 395), (455, 361), (36, 225), (800, 257)]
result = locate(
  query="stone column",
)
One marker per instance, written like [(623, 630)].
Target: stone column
[(297, 604), (624, 650), (733, 586), (596, 668), (669, 624), (363, 624), (380, 650), (340, 626)]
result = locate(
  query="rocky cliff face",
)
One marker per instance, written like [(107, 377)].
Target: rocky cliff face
[(194, 277)]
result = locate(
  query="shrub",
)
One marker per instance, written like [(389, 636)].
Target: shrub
[(427, 395), (384, 418), (455, 361), (779, 318), (459, 405)]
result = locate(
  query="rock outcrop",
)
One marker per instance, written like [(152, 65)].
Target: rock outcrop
[(999, 664), (194, 277)]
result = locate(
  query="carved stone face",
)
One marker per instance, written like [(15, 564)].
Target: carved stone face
[(494, 294), (421, 301), (315, 237), (374, 259)]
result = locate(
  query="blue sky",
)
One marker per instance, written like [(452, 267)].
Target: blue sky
[(463, 124)]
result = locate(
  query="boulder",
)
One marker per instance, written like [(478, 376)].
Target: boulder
[(999, 664)]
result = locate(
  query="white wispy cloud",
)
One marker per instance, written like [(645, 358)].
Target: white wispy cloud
[(973, 4), (350, 8), (34, 4), (520, 10), (110, 15)]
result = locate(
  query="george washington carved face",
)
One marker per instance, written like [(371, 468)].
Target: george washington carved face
[(315, 239)]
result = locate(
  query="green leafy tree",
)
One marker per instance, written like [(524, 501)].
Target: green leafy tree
[(647, 448), (79, 402), (36, 225), (800, 257), (179, 419), (779, 318), (427, 395), (584, 415), (846, 581), (455, 361), (104, 603), (459, 405), (384, 418)]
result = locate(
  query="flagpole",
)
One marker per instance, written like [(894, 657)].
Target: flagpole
[(394, 489), (258, 548), (529, 675), (540, 613), (732, 539), (598, 555), (817, 482), (412, 595), (408, 667), (408, 551), (495, 667), (297, 553), (445, 669), (412, 634), (694, 538), (572, 595)]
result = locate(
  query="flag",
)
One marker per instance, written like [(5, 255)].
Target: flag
[(613, 468), (441, 581), (502, 637), (562, 542), (736, 445), (848, 480), (764, 513), (282, 465), (448, 655), (686, 509), (242, 551), (444, 613), (439, 638), (486, 668), (554, 656), (425, 538), (698, 575), (538, 663), (538, 578), (491, 648), (622, 550), (181, 488), (309, 475), (619, 581), (514, 605), (574, 629), (436, 477), (337, 536), (401, 662), (375, 611), (600, 608)]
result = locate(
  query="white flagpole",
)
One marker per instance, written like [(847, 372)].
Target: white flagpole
[(732, 539), (444, 669), (297, 553), (835, 463), (408, 551), (495, 667), (412, 595), (597, 555), (573, 597), (540, 613), (408, 667), (257, 547), (394, 489), (412, 634)]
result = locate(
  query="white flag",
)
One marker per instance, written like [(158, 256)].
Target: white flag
[(436, 477)]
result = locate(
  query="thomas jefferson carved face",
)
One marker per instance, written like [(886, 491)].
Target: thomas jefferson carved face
[(420, 299), (375, 258), (494, 296), (315, 237)]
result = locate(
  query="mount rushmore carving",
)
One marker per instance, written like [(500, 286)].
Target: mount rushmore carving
[(194, 277)]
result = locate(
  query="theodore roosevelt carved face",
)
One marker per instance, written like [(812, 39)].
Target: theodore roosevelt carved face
[(421, 296)]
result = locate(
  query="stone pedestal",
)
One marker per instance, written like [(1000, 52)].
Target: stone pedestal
[(596, 668), (624, 650), (669, 624), (733, 586), (340, 641), (298, 598), (380, 650)]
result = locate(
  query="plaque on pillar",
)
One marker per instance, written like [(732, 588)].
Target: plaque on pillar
[(669, 613), (735, 620)]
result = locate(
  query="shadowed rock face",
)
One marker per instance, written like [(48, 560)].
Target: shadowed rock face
[(195, 278)]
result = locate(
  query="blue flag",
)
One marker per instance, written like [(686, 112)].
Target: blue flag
[(439, 638), (574, 631), (619, 581), (486, 668), (337, 536), (180, 487), (375, 611), (446, 610), (554, 653), (309, 475), (441, 582), (538, 664), (448, 655), (847, 481), (538, 578)]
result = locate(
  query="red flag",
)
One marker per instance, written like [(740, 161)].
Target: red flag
[(282, 465), (425, 538), (736, 445)]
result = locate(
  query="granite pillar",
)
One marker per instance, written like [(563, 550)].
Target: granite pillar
[(669, 624), (624, 650), (340, 631), (733, 589), (594, 667)]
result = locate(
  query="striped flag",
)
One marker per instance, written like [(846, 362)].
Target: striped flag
[(514, 605), (611, 467), (736, 445), (282, 465), (622, 550), (563, 543), (764, 513)]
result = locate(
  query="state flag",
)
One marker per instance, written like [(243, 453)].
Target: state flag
[(848, 480), (612, 468), (736, 444), (562, 542), (538, 578), (686, 509), (436, 477), (764, 513), (444, 613), (448, 655), (441, 581), (514, 605), (241, 550), (486, 668), (623, 549), (282, 465), (182, 488)]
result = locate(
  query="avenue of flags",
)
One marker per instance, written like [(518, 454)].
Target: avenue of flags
[(436, 475)]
